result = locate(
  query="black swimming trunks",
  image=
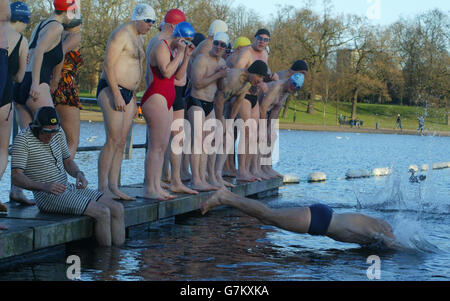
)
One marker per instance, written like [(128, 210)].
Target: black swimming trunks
[(126, 94), (179, 104), (252, 98), (3, 72), (207, 106), (321, 216)]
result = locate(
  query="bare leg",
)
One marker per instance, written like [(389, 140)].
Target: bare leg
[(198, 157), (292, 219), (70, 122), (5, 136), (110, 159), (158, 120), (24, 118), (176, 185), (117, 220), (243, 155), (102, 216)]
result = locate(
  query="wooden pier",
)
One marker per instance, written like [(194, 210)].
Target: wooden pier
[(31, 231)]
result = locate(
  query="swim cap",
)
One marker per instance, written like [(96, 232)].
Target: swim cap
[(217, 26), (258, 67), (184, 30), (143, 11), (262, 31), (174, 16), (64, 5), (221, 36), (297, 80), (198, 38), (299, 65), (20, 12), (73, 23), (241, 42)]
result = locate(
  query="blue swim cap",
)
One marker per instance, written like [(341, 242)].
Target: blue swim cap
[(20, 12), (297, 80), (184, 30)]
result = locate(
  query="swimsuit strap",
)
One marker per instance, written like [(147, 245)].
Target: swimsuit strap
[(36, 36), (170, 50)]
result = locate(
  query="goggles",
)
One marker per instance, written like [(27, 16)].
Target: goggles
[(148, 21), (265, 40), (220, 44)]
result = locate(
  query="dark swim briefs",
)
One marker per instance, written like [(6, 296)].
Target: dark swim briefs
[(126, 94), (207, 106), (321, 216), (178, 104), (252, 98)]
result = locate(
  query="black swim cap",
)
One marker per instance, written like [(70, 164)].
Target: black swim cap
[(299, 65), (258, 67), (262, 31), (198, 38)]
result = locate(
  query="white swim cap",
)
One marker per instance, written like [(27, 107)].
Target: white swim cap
[(221, 36), (143, 11), (217, 26)]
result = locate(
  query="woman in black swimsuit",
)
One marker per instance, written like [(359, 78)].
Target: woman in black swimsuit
[(46, 53), (17, 61)]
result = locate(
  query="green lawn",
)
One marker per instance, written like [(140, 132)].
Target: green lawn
[(385, 115)]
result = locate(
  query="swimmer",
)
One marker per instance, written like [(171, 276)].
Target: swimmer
[(240, 44), (46, 57), (5, 14), (172, 18), (316, 220), (157, 102), (207, 69), (116, 94), (234, 87), (299, 66), (205, 46), (249, 109), (17, 62), (64, 87)]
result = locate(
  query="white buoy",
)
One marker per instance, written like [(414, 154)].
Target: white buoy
[(381, 172), (414, 168), (359, 173), (291, 179), (424, 167), (317, 177), (440, 165)]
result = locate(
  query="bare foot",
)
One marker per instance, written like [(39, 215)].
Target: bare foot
[(204, 187), (212, 202), (164, 185), (3, 208), (185, 176), (262, 175), (245, 178), (167, 195), (180, 188), (20, 198), (121, 196), (154, 196)]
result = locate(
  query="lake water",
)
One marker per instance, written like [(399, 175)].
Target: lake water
[(228, 245)]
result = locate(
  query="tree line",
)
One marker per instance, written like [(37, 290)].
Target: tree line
[(349, 58)]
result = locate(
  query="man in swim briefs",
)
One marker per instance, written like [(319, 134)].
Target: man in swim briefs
[(233, 88), (116, 93), (316, 220), (207, 69), (270, 106), (249, 108)]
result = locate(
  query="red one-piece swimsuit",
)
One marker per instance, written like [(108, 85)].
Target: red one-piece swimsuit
[(161, 85)]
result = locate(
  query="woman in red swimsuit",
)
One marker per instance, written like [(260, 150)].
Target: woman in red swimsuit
[(166, 65)]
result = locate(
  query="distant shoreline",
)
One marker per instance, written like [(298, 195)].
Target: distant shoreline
[(93, 116)]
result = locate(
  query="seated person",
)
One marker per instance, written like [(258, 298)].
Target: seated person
[(40, 163)]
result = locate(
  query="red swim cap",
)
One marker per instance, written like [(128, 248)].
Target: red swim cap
[(64, 5), (174, 16)]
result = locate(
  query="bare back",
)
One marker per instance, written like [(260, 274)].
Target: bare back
[(233, 84), (274, 96), (125, 56)]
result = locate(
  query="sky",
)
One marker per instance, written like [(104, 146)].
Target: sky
[(380, 12)]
